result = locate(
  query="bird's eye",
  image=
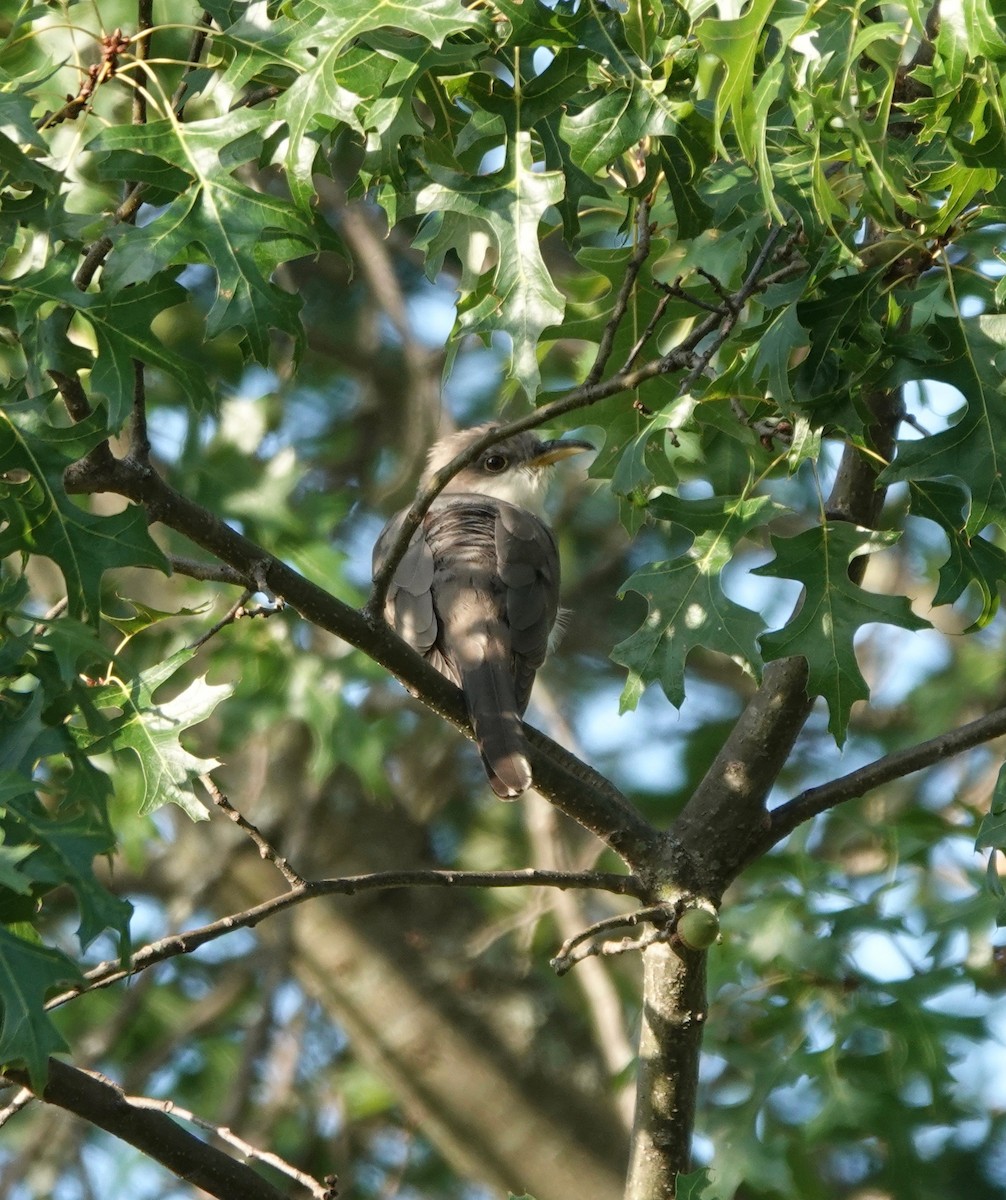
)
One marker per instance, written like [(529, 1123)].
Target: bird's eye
[(495, 463)]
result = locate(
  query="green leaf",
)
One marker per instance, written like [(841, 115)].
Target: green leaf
[(832, 610), (152, 730), (41, 519), (735, 43), (693, 1186), (968, 29), (992, 831), (616, 120), (316, 96), (63, 854), (517, 295), (967, 354), (687, 605), (973, 559), (121, 320), (28, 973), (243, 234)]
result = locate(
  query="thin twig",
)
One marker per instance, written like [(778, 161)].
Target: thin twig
[(101, 1102), (816, 800), (111, 46), (141, 52), (608, 949), (258, 96), (73, 396), (194, 56), (326, 1190), (97, 252), (647, 333), (632, 269), (109, 972), (236, 611), (139, 436), (737, 300), (21, 1100), (265, 848), (679, 293), (658, 914)]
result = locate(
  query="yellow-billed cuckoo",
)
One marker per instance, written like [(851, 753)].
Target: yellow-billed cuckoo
[(477, 591)]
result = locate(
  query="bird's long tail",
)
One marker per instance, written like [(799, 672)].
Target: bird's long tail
[(492, 708)]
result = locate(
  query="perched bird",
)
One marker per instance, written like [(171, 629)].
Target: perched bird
[(477, 591)]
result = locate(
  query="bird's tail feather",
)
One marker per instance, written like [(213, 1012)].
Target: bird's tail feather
[(492, 708)]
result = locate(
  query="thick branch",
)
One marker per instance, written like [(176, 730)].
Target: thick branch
[(574, 787), (107, 973), (674, 1014), (713, 837), (100, 1102)]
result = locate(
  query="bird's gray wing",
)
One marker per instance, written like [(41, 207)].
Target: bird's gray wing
[(409, 608), (529, 569), (470, 602)]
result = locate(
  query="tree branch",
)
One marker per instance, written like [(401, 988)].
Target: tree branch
[(731, 796), (816, 800), (635, 264), (210, 572), (320, 1190), (101, 1102), (109, 972), (579, 791), (673, 1018), (265, 848), (588, 393)]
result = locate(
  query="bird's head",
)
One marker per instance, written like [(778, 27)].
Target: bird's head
[(514, 470)]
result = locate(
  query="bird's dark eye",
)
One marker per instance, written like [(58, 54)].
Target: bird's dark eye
[(495, 463)]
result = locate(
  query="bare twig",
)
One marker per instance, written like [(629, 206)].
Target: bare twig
[(658, 914), (74, 399), (265, 848), (101, 1102), (732, 306), (632, 269), (258, 96), (608, 949), (237, 611), (109, 972), (111, 45), (194, 56), (141, 52), (97, 252), (680, 293), (139, 438), (810, 803), (21, 1100), (647, 333), (321, 1190)]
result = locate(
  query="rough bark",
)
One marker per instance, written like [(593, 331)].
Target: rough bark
[(674, 1013)]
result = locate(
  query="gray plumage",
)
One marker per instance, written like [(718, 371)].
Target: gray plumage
[(477, 591)]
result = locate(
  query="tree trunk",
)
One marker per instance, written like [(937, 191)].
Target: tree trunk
[(674, 1013)]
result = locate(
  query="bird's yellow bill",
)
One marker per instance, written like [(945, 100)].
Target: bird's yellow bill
[(553, 452)]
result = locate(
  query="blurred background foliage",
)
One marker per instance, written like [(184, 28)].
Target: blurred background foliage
[(417, 1043)]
